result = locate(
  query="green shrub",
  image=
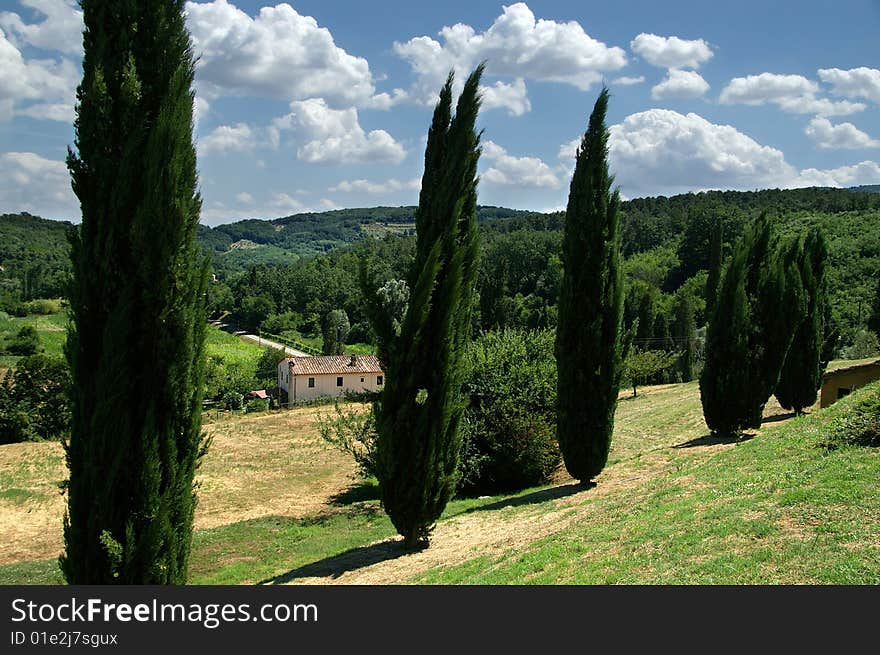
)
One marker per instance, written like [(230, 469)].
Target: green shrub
[(44, 306), (509, 423), (25, 343), (233, 400), (860, 426), (257, 405), (33, 400), (353, 432)]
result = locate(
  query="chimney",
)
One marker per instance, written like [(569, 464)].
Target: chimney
[(353, 361)]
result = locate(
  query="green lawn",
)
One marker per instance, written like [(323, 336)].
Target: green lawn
[(674, 506), (230, 348)]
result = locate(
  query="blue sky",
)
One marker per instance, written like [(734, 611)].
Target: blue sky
[(317, 105)]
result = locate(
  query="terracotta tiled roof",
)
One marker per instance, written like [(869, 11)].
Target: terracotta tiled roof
[(334, 364)]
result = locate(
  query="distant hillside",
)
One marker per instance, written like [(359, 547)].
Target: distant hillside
[(33, 251), (866, 188)]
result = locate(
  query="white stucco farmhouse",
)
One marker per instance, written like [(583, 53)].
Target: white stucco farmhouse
[(306, 378)]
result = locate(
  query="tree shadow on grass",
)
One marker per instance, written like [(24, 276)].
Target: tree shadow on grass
[(714, 440), (357, 493), (535, 497), (775, 418), (350, 560)]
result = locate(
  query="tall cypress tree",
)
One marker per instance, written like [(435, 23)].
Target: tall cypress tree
[(684, 329), (874, 318), (137, 301), (716, 261), (588, 333), (802, 372), (758, 307), (420, 408)]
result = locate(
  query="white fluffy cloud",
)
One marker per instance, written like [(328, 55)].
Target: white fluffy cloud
[(275, 205), (334, 136), (228, 138), (60, 29), (376, 188), (517, 44), (671, 52), (628, 81), (513, 97), (37, 185), (859, 82), (866, 172), (507, 170), (680, 84), (840, 136), (41, 88), (277, 54), (792, 93), (662, 151)]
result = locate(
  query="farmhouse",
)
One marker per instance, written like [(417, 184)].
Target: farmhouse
[(839, 383), (306, 378)]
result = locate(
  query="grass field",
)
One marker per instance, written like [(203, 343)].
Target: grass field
[(675, 505)]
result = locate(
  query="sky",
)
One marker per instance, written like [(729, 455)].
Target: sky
[(315, 105)]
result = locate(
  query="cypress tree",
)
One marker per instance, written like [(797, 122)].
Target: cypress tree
[(137, 301), (588, 333), (802, 372), (684, 329), (874, 318), (757, 309), (716, 261), (419, 410)]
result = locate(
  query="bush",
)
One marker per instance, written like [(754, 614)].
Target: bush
[(25, 343), (353, 432), (509, 426), (33, 400), (233, 400), (44, 306), (864, 345), (257, 405)]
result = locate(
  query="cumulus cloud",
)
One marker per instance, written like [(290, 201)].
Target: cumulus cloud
[(660, 151), (663, 152), (228, 138), (513, 97), (40, 88), (866, 172), (628, 81), (334, 136), (792, 93), (508, 170), (518, 45), (37, 185), (277, 54), (841, 136), (61, 27), (376, 188), (859, 82), (671, 52), (680, 84)]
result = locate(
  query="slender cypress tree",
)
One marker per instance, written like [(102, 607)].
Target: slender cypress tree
[(684, 329), (137, 301), (874, 318), (588, 333), (716, 261), (758, 307), (801, 374), (420, 408)]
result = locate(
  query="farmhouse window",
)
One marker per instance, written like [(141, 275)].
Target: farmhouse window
[(338, 382), (311, 383), (362, 379), (379, 380)]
